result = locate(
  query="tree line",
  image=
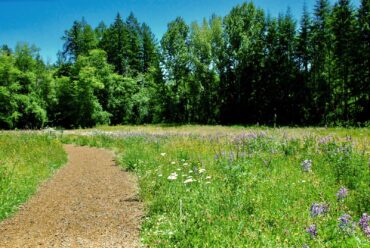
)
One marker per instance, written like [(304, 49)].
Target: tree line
[(244, 68)]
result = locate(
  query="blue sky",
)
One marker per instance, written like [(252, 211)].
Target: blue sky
[(42, 22)]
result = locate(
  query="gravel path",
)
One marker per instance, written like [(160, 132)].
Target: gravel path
[(88, 203)]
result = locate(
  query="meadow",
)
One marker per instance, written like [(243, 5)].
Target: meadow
[(245, 187), (26, 160)]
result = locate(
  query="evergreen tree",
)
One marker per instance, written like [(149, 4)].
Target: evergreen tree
[(134, 52), (100, 30), (115, 43), (78, 40), (362, 62), (150, 53), (343, 29), (304, 58), (321, 63)]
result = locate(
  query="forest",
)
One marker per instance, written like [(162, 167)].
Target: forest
[(246, 68)]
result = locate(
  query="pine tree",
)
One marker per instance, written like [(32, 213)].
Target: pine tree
[(362, 54), (343, 29), (100, 30), (116, 44), (134, 52), (321, 63), (304, 57), (304, 49), (78, 40), (150, 53)]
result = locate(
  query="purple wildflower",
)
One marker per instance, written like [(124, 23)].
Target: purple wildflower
[(345, 219), (306, 165), (318, 209), (250, 136), (346, 224), (312, 230), (325, 140), (342, 193), (364, 224)]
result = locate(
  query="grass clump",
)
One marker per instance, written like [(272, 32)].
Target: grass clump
[(25, 161), (249, 189)]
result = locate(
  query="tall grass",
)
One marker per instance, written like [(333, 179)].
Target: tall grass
[(25, 161), (249, 189)]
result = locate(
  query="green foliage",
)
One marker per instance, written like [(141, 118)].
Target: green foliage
[(176, 63), (78, 103), (244, 68), (79, 40), (25, 161), (23, 83)]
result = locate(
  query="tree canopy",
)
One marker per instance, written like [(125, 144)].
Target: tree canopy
[(244, 68)]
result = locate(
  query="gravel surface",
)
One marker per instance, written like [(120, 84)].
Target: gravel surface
[(88, 203)]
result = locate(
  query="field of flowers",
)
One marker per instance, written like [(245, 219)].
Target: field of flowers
[(236, 187), (25, 161)]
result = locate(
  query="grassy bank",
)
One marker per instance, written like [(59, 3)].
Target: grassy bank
[(237, 187), (25, 161)]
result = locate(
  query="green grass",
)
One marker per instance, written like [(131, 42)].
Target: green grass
[(25, 161), (243, 191)]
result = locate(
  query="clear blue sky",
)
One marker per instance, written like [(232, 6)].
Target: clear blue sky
[(42, 22)]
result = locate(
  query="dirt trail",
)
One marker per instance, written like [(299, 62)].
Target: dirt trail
[(88, 203)]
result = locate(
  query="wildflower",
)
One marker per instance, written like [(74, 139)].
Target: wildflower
[(342, 193), (173, 162), (262, 134), (173, 176), (208, 182), (306, 165), (364, 224), (208, 177), (325, 140), (202, 170), (217, 157), (345, 219), (345, 223), (185, 164), (250, 136), (318, 209), (160, 175), (189, 180), (163, 154), (312, 230)]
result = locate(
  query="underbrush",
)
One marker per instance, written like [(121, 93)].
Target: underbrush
[(25, 161), (247, 190)]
